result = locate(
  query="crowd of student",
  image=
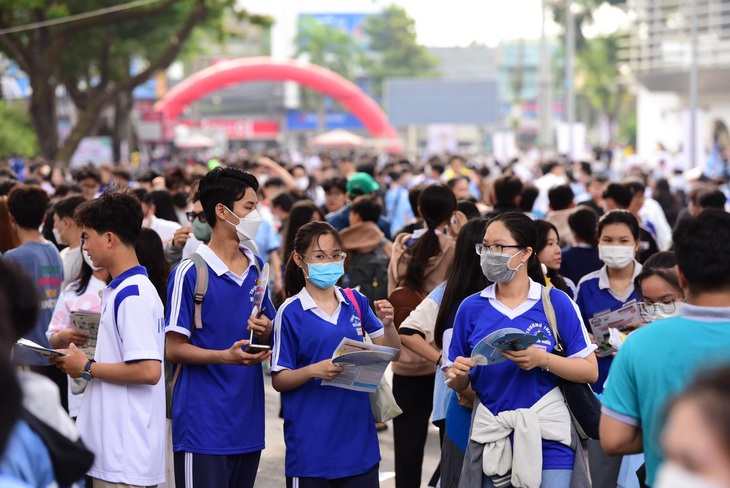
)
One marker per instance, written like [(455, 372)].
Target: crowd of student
[(428, 259)]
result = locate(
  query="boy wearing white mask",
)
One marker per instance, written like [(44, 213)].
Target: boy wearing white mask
[(658, 360), (218, 398)]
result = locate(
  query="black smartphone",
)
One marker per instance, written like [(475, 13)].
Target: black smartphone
[(257, 348)]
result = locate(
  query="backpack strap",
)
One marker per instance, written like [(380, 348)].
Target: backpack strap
[(201, 287), (547, 305), (351, 296)]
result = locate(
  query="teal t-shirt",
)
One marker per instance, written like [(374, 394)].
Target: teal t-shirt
[(657, 362)]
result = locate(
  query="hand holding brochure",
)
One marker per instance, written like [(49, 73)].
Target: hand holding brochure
[(43, 351), (489, 350), (624, 319), (85, 321), (260, 293), (364, 365)]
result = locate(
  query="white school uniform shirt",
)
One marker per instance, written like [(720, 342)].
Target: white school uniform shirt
[(124, 424)]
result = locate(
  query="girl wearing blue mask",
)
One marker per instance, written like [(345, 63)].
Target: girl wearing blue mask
[(329, 432)]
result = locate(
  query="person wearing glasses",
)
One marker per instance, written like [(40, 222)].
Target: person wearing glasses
[(329, 432), (183, 244), (521, 434), (218, 399), (658, 286)]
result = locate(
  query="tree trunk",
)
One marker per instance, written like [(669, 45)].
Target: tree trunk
[(120, 130), (43, 114), (85, 124)]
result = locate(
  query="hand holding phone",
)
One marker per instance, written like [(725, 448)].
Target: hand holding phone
[(257, 348)]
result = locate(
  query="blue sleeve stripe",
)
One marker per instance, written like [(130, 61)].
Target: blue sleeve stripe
[(126, 292), (177, 291), (277, 331)]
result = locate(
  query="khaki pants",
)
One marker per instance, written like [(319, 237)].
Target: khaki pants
[(97, 483)]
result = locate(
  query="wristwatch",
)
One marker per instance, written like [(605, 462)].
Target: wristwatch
[(87, 371)]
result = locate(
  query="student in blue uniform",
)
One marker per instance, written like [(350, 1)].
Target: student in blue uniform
[(329, 432), (527, 380), (609, 288)]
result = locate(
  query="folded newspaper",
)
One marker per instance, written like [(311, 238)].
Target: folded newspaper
[(624, 319), (85, 321), (363, 365)]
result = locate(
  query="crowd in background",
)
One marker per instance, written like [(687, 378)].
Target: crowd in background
[(603, 238)]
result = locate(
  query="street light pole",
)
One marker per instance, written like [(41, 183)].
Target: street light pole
[(569, 73), (693, 88), (546, 104)]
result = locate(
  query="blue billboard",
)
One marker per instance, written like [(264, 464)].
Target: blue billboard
[(299, 120), (352, 24)]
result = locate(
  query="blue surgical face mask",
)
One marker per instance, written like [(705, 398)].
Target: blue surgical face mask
[(325, 275)]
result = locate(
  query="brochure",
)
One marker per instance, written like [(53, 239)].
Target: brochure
[(85, 321), (489, 350), (43, 351), (258, 298), (624, 319), (364, 365)]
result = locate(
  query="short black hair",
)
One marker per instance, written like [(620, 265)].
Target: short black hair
[(620, 217), (117, 211), (368, 168), (711, 198), (507, 188), (635, 185), (87, 172), (700, 244), (67, 206), (28, 204), (549, 166), (6, 184), (175, 178), (620, 193), (275, 181), (143, 196), (338, 182), (527, 197), (285, 200), (468, 208), (584, 224), (224, 185), (147, 176), (367, 207), (413, 195), (123, 174), (560, 197), (453, 181)]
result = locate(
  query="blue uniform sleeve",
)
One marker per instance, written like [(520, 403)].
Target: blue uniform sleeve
[(570, 325), (180, 310), (285, 341), (621, 394), (371, 322), (580, 300), (268, 306), (462, 330)]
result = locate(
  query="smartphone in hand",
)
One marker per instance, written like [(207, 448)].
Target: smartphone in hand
[(257, 348)]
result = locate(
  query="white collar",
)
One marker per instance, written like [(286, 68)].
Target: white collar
[(604, 284), (219, 267), (534, 294), (308, 302)]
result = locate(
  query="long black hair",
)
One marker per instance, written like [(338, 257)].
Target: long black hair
[(151, 255), (436, 203), (301, 213), (524, 231), (307, 236), (543, 230), (81, 282), (464, 277)]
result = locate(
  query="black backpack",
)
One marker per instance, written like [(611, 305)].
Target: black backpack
[(369, 272)]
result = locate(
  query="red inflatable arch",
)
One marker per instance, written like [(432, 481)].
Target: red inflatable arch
[(242, 70)]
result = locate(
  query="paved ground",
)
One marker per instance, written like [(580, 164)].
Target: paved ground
[(271, 469)]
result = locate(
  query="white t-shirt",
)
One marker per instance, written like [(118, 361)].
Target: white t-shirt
[(69, 302), (72, 259), (124, 424), (164, 228)]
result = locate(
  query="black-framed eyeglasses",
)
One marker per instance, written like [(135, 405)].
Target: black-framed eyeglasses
[(494, 248), (649, 308), (193, 215)]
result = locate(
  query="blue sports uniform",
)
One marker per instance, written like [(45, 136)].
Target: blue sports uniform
[(329, 431), (595, 296), (217, 409), (504, 386)]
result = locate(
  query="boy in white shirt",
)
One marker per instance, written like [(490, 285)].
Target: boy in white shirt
[(122, 415)]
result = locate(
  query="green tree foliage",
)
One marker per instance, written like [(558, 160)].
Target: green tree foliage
[(16, 133), (397, 52), (90, 58), (329, 47)]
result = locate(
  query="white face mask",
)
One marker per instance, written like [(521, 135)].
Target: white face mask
[(672, 475), (57, 236), (302, 183), (88, 261), (247, 226), (616, 257)]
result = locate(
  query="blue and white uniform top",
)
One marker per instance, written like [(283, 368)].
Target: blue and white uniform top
[(595, 296), (218, 409), (504, 386), (124, 424), (329, 432)]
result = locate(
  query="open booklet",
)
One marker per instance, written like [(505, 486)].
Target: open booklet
[(85, 321), (43, 351), (363, 365), (624, 319)]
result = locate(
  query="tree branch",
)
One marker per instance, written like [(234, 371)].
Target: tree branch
[(104, 66), (78, 97), (117, 17)]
